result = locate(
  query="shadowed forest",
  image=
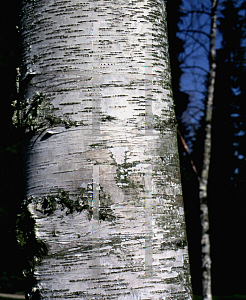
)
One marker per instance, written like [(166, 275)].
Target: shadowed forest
[(189, 31)]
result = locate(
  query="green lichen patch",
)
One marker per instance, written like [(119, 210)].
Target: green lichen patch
[(32, 249), (38, 113), (61, 199), (105, 210), (175, 244), (161, 125), (77, 202), (107, 118), (124, 179), (25, 233)]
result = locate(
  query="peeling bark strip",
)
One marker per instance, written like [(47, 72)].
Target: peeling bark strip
[(105, 65)]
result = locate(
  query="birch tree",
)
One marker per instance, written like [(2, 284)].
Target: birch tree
[(203, 182), (204, 176), (100, 154)]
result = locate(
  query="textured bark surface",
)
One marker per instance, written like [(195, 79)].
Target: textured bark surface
[(106, 63), (203, 186)]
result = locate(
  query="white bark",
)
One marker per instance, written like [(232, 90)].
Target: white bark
[(203, 186), (96, 59)]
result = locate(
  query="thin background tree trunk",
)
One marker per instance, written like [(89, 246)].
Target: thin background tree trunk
[(105, 64), (203, 186)]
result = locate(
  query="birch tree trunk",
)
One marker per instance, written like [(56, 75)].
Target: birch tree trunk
[(104, 66), (203, 182)]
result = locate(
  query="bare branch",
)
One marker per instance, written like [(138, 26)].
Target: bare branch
[(198, 42), (195, 12), (188, 152), (195, 31), (194, 67)]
